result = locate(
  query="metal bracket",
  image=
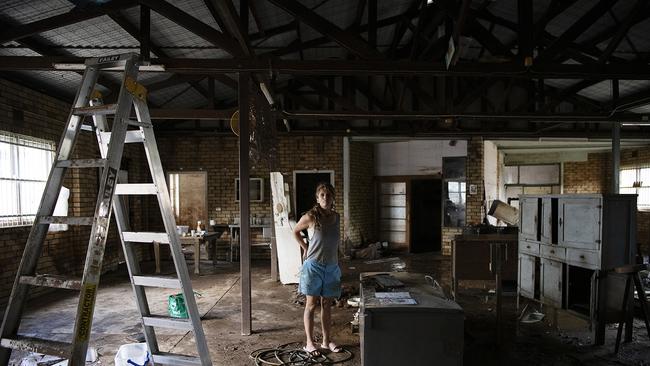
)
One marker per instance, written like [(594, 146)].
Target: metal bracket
[(136, 89)]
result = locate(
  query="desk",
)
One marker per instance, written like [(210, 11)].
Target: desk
[(234, 235), (195, 241)]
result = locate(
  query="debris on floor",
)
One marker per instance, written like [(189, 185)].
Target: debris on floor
[(296, 355)]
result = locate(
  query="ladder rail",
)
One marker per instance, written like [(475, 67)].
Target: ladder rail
[(164, 201), (99, 231), (35, 240)]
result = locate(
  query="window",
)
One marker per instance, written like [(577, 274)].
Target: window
[(255, 189), (25, 164), (636, 181), (454, 191), (530, 179)]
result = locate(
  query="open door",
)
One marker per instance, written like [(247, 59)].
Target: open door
[(426, 213)]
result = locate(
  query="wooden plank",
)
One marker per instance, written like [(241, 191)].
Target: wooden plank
[(289, 256)]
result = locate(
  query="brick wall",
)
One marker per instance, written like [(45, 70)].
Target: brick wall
[(219, 157), (362, 194), (595, 175), (28, 112), (474, 211)]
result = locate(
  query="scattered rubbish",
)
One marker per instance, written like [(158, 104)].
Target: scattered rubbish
[(383, 260), (176, 306), (37, 359), (133, 354), (532, 317), (354, 301), (372, 251), (354, 323), (352, 267), (398, 266)]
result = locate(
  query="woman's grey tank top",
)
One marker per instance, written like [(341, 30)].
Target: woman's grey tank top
[(324, 243)]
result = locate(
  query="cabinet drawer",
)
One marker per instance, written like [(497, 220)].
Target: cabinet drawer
[(553, 252), (583, 258), (529, 247)]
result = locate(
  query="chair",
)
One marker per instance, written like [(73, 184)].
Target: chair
[(632, 273)]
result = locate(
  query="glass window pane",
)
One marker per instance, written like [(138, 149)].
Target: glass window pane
[(644, 198), (33, 164), (6, 169), (462, 186), (511, 175), (627, 191), (9, 202), (627, 177), (452, 186), (30, 197), (644, 177)]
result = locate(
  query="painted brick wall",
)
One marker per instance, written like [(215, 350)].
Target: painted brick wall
[(63, 252), (219, 157), (362, 194), (594, 176)]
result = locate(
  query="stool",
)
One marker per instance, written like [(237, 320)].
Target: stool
[(632, 273)]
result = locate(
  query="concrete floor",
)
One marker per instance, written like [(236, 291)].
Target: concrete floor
[(277, 320)]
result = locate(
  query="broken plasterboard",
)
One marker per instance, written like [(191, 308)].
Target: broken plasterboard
[(289, 258)]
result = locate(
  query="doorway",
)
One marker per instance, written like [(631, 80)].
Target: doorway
[(426, 213), (304, 183)]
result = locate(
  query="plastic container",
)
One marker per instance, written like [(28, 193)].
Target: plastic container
[(133, 354)]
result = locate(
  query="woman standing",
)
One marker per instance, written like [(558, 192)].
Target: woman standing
[(320, 276)]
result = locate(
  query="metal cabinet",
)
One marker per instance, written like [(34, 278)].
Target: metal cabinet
[(552, 282), (577, 240), (526, 278), (528, 208), (580, 222)]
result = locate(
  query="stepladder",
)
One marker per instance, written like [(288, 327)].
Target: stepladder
[(90, 113)]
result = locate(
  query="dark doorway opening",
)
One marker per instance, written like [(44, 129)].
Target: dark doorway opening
[(426, 213), (305, 184)]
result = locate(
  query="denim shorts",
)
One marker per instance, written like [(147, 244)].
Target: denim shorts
[(317, 279)]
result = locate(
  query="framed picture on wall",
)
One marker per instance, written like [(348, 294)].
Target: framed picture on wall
[(255, 189)]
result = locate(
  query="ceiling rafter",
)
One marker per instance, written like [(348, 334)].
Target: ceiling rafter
[(347, 40), (622, 30), (576, 29), (75, 15), (193, 25), (228, 15)]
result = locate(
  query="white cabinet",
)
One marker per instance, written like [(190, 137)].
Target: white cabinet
[(552, 282), (528, 207), (568, 246), (579, 222), (526, 275)]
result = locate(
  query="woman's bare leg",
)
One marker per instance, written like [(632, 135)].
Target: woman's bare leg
[(326, 319), (308, 319)]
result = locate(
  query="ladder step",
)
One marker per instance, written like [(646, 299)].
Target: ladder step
[(95, 110), (166, 322), (135, 189), (132, 136), (175, 359), (145, 237), (38, 345), (85, 127), (52, 281), (81, 163), (135, 122), (70, 220), (157, 281)]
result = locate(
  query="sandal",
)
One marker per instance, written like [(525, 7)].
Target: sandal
[(332, 347), (313, 353)]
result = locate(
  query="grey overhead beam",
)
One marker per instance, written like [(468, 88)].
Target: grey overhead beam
[(628, 71), (73, 16), (194, 25), (347, 40)]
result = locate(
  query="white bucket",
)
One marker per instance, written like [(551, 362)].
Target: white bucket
[(133, 354)]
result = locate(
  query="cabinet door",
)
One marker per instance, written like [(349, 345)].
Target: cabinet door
[(545, 223), (528, 220), (552, 282), (526, 276), (579, 221)]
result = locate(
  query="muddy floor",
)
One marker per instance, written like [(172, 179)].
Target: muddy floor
[(559, 339)]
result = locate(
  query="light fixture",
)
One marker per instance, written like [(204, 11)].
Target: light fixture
[(82, 67), (267, 94)]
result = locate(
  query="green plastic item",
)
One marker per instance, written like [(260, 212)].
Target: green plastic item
[(176, 306)]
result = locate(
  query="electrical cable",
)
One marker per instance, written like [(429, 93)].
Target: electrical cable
[(287, 355)]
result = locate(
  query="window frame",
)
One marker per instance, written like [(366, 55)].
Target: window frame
[(16, 167), (636, 185)]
